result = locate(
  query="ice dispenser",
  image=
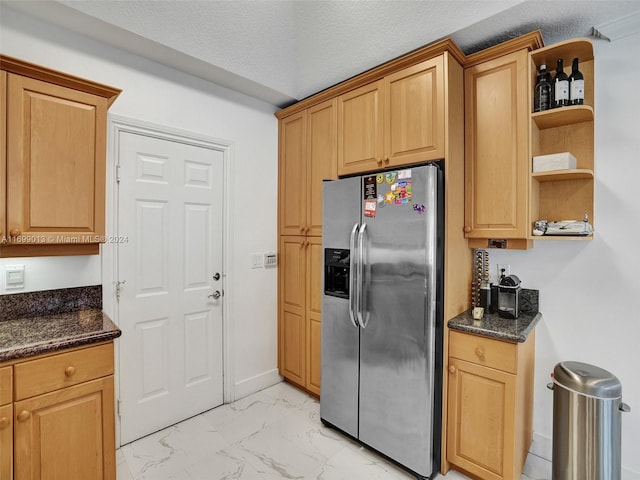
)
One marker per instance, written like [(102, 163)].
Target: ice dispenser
[(336, 272)]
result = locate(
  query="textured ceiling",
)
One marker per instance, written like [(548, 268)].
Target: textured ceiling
[(283, 50)]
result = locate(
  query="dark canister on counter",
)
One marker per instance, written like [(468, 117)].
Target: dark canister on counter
[(485, 296), (493, 308), (509, 296)]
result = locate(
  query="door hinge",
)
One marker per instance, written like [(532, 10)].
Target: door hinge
[(118, 173), (119, 407), (119, 288)]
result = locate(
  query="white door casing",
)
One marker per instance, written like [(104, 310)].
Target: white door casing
[(170, 210)]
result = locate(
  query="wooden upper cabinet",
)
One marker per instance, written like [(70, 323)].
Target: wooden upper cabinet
[(414, 119), (3, 156), (53, 163), (496, 148), (321, 159), (307, 157), (360, 126), (292, 175), (396, 121)]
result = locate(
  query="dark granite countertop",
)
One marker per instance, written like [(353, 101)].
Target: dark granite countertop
[(494, 326), (28, 336)]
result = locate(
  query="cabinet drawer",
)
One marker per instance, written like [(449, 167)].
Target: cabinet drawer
[(6, 385), (483, 351), (59, 371)]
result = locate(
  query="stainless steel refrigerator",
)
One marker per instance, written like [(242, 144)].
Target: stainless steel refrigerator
[(382, 313)]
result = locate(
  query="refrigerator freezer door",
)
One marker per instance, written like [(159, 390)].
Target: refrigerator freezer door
[(340, 337), (397, 344)]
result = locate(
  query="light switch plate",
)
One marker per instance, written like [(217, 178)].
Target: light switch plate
[(256, 260), (14, 277)]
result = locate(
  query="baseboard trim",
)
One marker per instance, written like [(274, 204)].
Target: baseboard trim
[(256, 383), (538, 464)]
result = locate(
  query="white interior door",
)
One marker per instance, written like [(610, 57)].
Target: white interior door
[(170, 208)]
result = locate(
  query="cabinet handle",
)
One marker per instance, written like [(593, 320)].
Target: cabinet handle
[(386, 159), (301, 229), (4, 423), (379, 161), (479, 352), (14, 232), (467, 229), (23, 415), (69, 371), (306, 230), (452, 369)]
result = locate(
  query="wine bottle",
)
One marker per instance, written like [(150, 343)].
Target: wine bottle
[(576, 85), (560, 86), (542, 93)]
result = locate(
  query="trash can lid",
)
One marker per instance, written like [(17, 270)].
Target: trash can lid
[(587, 379)]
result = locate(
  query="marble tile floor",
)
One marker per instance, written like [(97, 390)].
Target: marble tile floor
[(273, 434)]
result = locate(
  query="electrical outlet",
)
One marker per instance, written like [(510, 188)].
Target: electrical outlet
[(506, 267), (14, 277)]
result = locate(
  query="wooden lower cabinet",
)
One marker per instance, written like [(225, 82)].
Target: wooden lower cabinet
[(6, 442), (64, 431), (490, 405), (300, 305)]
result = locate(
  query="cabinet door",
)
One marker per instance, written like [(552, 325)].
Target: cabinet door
[(292, 175), (3, 155), (481, 420), (322, 163), (313, 311), (6, 442), (496, 144), (414, 118), (360, 124), (67, 434), (292, 309), (55, 163)]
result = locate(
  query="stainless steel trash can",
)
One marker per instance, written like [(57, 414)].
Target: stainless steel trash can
[(587, 405)]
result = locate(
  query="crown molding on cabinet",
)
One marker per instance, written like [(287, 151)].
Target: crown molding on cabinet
[(531, 41), (26, 69), (376, 73)]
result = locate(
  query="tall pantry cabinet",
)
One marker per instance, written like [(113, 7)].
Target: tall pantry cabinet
[(307, 156), (405, 112)]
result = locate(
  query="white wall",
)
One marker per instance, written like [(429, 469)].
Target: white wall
[(157, 94), (589, 290)]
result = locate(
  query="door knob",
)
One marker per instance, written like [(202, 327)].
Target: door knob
[(216, 276), (215, 295)]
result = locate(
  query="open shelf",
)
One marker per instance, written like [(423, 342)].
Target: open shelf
[(569, 49), (563, 175), (563, 116), (562, 237)]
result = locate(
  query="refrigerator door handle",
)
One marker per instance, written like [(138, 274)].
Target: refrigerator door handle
[(361, 300), (353, 301)]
